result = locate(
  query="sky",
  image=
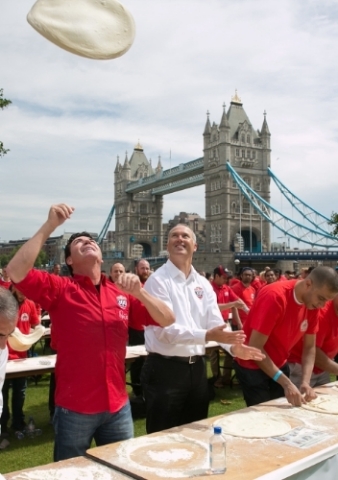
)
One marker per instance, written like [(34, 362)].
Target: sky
[(71, 117)]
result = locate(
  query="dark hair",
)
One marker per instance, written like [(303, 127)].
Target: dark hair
[(70, 241), (321, 276)]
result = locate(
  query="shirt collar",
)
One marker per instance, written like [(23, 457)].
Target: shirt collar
[(176, 272)]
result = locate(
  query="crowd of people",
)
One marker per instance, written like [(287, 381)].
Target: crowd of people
[(279, 334)]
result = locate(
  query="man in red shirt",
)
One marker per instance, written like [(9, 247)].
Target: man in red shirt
[(280, 316), (326, 348), (5, 281), (136, 322), (27, 319), (90, 331), (245, 291), (227, 300)]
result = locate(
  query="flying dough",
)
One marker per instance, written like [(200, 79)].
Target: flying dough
[(254, 425), (21, 342), (98, 29)]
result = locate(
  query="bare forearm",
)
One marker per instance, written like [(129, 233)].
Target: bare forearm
[(226, 306), (308, 359), (24, 259), (325, 363), (158, 310)]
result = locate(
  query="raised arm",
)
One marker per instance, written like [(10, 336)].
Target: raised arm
[(23, 260)]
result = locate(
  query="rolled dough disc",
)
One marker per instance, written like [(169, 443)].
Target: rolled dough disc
[(254, 425), (323, 404), (98, 29), (21, 342)]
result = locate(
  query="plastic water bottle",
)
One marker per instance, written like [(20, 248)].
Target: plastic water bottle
[(217, 451)]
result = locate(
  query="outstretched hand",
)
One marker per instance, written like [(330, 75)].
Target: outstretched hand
[(58, 214), (247, 353), (221, 335)]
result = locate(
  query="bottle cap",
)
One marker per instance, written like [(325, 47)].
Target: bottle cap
[(217, 430)]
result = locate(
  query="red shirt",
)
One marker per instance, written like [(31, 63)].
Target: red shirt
[(90, 333), (27, 318), (5, 284), (224, 294), (247, 294), (326, 338), (278, 315), (138, 315)]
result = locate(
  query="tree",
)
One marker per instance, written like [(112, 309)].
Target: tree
[(334, 222), (3, 104)]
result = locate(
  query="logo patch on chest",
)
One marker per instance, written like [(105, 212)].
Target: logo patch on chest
[(122, 301), (199, 292), (304, 325), (24, 317)]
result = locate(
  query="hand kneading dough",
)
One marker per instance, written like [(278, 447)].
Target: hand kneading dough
[(254, 425), (21, 342), (98, 29)]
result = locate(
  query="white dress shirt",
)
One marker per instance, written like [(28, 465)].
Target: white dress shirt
[(3, 362), (194, 304)]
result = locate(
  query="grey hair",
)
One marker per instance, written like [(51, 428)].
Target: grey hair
[(8, 305), (186, 226), (324, 276)]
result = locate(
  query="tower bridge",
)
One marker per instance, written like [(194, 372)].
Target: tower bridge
[(236, 171)]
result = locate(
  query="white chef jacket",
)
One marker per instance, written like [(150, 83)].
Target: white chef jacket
[(194, 304)]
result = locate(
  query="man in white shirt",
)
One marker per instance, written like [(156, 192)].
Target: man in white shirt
[(8, 318), (174, 377)]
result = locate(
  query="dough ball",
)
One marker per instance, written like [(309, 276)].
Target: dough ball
[(98, 29)]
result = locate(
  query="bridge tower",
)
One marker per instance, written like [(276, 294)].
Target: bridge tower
[(138, 217), (231, 223)]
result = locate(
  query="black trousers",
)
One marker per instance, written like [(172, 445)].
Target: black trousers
[(257, 386), (175, 392), (18, 386), (136, 337)]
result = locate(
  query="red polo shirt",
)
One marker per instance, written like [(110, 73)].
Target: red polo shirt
[(277, 314), (90, 333), (27, 318), (224, 294), (326, 338), (247, 294)]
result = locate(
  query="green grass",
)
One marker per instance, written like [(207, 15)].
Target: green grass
[(28, 453)]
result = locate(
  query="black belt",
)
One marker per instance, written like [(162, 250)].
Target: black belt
[(191, 359)]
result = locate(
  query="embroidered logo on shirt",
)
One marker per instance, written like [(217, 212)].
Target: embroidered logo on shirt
[(199, 292), (304, 325), (123, 315), (24, 317), (122, 301)]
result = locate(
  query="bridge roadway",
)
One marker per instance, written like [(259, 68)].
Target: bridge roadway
[(168, 181), (293, 255)]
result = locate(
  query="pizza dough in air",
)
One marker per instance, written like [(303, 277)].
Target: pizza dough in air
[(21, 342), (98, 29), (254, 425), (323, 404)]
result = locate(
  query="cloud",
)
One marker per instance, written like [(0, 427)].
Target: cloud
[(71, 116)]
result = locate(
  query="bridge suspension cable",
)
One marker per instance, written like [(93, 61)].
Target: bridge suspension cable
[(105, 227), (309, 214), (283, 223)]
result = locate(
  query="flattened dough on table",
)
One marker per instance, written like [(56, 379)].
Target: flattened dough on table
[(323, 404), (254, 425), (98, 29)]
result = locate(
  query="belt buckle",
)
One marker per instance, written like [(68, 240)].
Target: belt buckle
[(191, 361)]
